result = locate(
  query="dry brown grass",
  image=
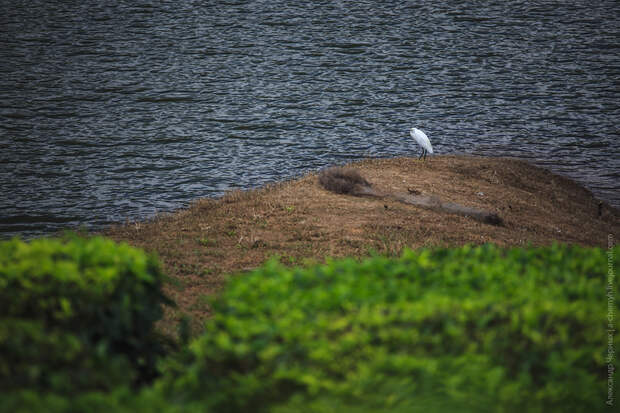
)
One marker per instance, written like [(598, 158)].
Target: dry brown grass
[(302, 222)]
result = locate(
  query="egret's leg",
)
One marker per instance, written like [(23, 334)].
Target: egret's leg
[(421, 155)]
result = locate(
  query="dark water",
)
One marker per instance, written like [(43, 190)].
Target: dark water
[(118, 110)]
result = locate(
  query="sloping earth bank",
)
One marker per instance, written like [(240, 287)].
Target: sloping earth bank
[(301, 222)]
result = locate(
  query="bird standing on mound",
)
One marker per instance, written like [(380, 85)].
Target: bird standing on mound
[(422, 140)]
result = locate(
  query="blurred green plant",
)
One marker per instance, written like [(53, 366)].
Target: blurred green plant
[(478, 328), (468, 329), (78, 314)]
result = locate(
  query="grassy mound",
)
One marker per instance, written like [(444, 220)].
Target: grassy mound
[(301, 221)]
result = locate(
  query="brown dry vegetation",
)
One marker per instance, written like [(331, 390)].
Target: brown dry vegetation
[(302, 222)]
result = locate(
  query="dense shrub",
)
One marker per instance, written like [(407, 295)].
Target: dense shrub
[(475, 328), (120, 400), (77, 314)]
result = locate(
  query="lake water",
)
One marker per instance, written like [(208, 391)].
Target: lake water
[(118, 110)]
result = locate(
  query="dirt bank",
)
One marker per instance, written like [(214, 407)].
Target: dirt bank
[(300, 221)]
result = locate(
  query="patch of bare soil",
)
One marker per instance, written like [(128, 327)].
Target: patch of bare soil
[(302, 222)]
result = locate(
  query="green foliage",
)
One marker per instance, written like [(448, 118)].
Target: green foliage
[(473, 328), (468, 329), (77, 314), (120, 400)]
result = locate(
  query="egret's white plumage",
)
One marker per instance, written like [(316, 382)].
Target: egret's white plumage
[(422, 140)]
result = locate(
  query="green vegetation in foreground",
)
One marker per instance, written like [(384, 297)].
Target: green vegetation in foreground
[(77, 315), (471, 328), (466, 327)]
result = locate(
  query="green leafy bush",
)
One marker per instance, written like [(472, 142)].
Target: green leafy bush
[(120, 400), (475, 328), (77, 314)]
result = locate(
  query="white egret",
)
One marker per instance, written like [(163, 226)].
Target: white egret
[(422, 140)]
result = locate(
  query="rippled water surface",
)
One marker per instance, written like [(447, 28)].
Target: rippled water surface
[(117, 110)]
